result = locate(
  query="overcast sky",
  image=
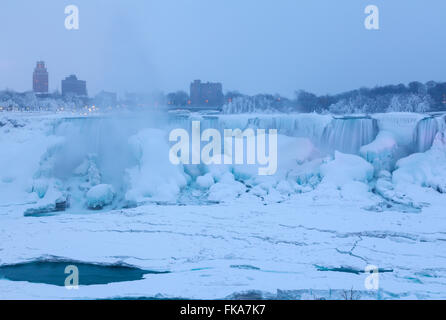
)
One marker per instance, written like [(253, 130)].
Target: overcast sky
[(254, 46)]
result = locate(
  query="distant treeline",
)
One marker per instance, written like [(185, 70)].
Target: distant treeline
[(414, 97)]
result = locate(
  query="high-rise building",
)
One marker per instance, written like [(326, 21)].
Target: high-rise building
[(106, 99), (40, 78), (206, 94), (71, 85)]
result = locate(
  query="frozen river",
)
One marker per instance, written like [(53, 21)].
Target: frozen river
[(308, 232)]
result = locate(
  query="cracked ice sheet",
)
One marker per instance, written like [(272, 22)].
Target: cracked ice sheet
[(215, 251)]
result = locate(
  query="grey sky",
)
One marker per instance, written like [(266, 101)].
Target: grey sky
[(253, 46)]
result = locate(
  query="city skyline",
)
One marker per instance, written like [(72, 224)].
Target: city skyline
[(188, 88), (320, 47)]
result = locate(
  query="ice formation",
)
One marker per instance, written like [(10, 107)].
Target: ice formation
[(425, 169), (55, 162), (154, 177), (348, 134), (425, 133), (382, 152)]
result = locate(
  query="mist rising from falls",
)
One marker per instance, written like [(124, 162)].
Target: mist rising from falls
[(101, 140)]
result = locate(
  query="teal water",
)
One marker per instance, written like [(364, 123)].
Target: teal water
[(53, 272)]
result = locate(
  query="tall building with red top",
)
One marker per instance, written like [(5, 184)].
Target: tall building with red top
[(40, 78)]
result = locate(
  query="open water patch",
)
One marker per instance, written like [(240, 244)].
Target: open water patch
[(54, 272)]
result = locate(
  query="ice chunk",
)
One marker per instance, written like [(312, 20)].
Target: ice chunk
[(226, 191), (205, 181), (346, 177), (53, 201), (100, 196)]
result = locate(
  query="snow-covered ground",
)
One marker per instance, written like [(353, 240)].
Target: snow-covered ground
[(308, 232)]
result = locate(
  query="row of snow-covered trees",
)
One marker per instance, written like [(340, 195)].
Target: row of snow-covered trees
[(406, 102), (415, 97), (11, 100)]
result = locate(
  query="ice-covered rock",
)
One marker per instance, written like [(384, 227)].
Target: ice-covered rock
[(100, 196), (205, 181), (346, 168), (53, 201), (345, 177), (426, 169), (226, 191), (381, 153), (293, 156)]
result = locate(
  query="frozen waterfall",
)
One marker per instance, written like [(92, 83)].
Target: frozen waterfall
[(349, 134), (424, 134)]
